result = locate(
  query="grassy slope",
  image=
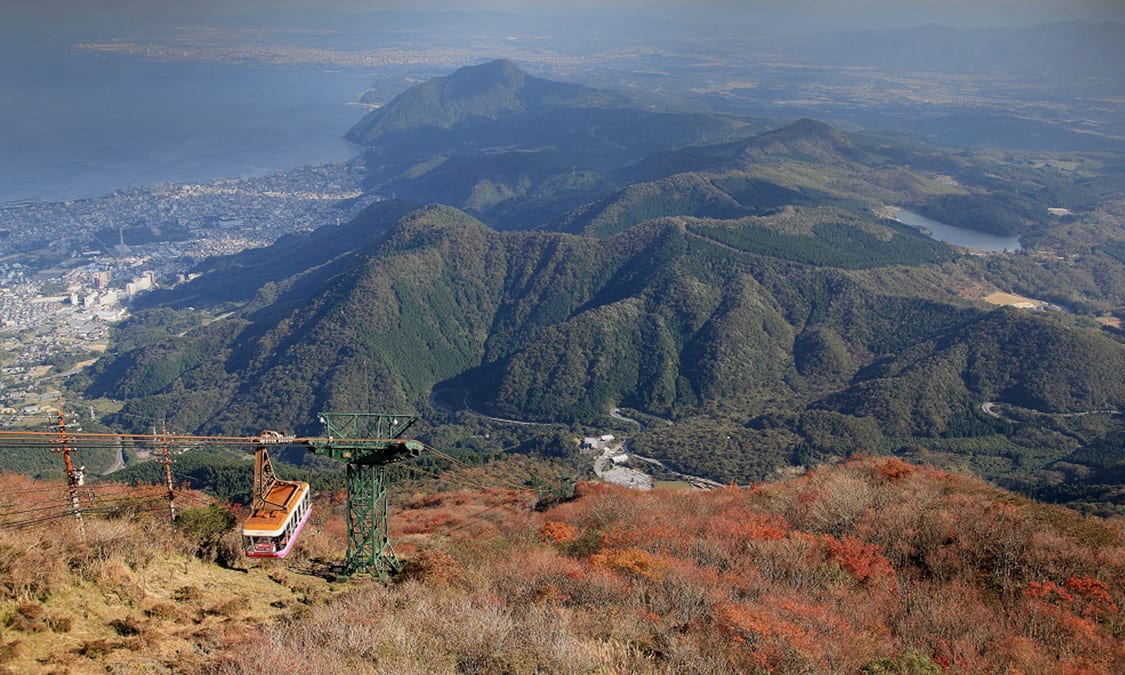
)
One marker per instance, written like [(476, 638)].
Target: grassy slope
[(873, 565), (129, 595)]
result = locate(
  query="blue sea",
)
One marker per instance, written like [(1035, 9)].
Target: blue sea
[(79, 124)]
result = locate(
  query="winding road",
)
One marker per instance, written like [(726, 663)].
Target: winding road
[(449, 410), (615, 413), (989, 408)]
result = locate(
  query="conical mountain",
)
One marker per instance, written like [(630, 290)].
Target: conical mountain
[(487, 91)]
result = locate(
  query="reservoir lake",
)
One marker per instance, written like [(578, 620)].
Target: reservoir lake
[(959, 236)]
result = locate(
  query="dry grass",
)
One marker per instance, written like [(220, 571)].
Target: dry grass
[(127, 596), (874, 563), (1012, 300)]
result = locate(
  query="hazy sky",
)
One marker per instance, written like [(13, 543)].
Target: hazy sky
[(814, 14)]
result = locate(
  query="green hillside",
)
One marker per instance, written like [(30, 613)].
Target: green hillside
[(515, 150), (742, 284), (798, 359)]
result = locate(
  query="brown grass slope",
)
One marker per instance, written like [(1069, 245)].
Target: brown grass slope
[(129, 595), (872, 566)]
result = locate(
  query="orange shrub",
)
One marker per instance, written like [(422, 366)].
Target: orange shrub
[(634, 561), (437, 565), (558, 532), (892, 469), (863, 561), (733, 528)]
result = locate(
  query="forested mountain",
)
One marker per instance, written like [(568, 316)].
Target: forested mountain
[(442, 294), (662, 317), (747, 290), (488, 91), (516, 150), (302, 259)]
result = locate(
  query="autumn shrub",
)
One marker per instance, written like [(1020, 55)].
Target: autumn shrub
[(863, 561), (125, 626), (910, 662), (633, 561), (760, 641), (422, 500), (952, 622), (95, 648), (831, 502), (890, 469), (187, 594), (31, 568), (166, 611), (585, 544), (28, 617), (437, 566), (206, 528), (684, 598), (537, 575), (558, 532), (870, 566)]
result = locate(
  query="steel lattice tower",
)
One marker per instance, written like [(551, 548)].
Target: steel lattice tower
[(367, 442)]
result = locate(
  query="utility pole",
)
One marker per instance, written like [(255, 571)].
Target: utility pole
[(166, 459), (74, 477)]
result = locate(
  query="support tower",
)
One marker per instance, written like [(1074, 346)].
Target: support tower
[(367, 443)]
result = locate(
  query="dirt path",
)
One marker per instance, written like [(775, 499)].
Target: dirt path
[(119, 462)]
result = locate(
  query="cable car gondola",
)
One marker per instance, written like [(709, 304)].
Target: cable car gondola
[(279, 511)]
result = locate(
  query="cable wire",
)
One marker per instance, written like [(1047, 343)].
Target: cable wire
[(465, 465)]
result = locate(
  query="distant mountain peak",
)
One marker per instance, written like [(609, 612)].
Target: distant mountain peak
[(504, 66), (498, 73), (807, 128), (807, 137), (485, 91)]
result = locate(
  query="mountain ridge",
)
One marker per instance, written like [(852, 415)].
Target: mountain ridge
[(557, 327), (745, 287)]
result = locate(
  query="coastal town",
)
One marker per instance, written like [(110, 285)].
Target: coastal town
[(71, 269)]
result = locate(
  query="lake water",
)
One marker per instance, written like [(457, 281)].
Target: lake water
[(80, 124), (959, 236)]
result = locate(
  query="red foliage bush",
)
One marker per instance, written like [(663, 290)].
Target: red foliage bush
[(1083, 596), (892, 469), (560, 533), (863, 561)]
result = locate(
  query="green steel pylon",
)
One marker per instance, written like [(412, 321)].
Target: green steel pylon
[(367, 442)]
